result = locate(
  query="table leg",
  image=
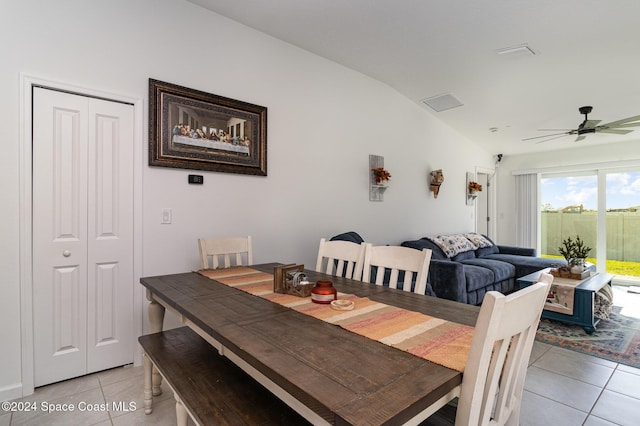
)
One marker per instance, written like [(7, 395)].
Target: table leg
[(156, 316), (156, 319)]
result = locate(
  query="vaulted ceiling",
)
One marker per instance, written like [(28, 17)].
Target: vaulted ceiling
[(516, 66)]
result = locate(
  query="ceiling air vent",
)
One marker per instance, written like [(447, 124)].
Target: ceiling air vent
[(442, 102), (516, 51)]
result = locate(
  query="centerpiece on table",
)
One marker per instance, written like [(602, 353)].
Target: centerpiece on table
[(575, 253)]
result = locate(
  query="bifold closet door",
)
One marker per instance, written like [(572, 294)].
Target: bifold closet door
[(82, 234)]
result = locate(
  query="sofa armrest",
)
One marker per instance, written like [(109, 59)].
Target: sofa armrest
[(447, 280), (522, 251)]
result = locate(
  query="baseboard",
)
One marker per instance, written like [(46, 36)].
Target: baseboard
[(7, 393)]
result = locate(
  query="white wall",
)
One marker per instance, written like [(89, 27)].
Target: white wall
[(323, 122), (583, 154)]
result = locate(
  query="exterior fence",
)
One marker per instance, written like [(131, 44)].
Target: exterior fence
[(623, 233)]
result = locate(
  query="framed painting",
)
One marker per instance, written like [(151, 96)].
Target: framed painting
[(190, 129)]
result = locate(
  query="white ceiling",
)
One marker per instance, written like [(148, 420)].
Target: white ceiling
[(587, 53)]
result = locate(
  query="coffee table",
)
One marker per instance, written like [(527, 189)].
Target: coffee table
[(583, 300)]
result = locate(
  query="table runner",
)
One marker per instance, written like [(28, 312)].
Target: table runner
[(561, 295), (443, 342)]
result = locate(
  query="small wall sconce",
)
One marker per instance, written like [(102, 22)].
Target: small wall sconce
[(436, 180), (378, 178), (473, 188)]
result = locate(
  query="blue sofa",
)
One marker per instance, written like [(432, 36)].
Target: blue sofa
[(465, 266)]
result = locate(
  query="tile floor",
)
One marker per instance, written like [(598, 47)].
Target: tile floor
[(562, 388)]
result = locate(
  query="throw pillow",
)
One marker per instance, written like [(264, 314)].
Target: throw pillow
[(478, 240), (451, 245)]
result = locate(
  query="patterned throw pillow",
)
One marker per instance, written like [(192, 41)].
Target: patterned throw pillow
[(478, 240), (451, 245)]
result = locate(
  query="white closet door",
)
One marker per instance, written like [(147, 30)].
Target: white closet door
[(82, 234), (110, 235)]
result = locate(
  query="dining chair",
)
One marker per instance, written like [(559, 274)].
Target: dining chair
[(391, 264), (225, 252), (341, 258), (493, 379)]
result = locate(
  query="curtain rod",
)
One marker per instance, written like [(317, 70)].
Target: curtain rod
[(580, 167)]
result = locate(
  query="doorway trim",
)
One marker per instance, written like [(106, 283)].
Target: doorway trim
[(491, 201), (27, 83)]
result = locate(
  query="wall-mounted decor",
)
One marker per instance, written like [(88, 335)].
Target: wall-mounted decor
[(473, 188), (378, 178), (190, 129), (436, 180)]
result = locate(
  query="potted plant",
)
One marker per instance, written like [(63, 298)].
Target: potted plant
[(575, 253), (381, 175), (474, 187)]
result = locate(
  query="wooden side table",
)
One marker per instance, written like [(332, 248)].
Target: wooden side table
[(583, 300)]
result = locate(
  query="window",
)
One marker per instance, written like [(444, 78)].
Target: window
[(603, 208), (569, 209)]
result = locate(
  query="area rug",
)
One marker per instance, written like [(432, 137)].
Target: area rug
[(616, 339)]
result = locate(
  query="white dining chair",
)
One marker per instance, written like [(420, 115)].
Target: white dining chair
[(493, 379), (225, 252), (379, 260), (341, 258)]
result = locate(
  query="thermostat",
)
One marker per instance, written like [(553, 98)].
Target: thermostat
[(197, 179)]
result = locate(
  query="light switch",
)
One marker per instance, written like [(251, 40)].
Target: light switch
[(166, 216)]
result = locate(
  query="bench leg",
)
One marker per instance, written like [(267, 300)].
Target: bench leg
[(181, 413), (148, 383)]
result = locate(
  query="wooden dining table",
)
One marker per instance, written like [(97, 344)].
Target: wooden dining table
[(326, 373)]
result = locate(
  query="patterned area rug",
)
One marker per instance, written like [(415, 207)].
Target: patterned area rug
[(616, 339)]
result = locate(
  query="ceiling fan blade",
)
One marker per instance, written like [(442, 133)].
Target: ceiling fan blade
[(615, 131), (608, 126), (589, 124), (580, 138), (624, 121), (550, 139), (547, 136)]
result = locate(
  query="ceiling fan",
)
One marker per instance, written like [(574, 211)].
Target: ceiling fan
[(619, 127)]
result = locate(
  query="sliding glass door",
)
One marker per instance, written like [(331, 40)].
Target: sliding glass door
[(600, 206), (623, 223), (569, 210)]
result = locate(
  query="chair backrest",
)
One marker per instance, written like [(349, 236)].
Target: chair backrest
[(341, 258), (225, 252), (397, 259), (493, 379)]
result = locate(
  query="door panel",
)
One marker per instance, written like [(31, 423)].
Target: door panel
[(59, 235), (110, 236)]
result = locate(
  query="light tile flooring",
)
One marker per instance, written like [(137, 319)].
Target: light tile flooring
[(562, 388)]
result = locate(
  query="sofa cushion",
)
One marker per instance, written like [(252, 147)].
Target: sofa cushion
[(501, 270), (525, 265), (350, 236), (436, 252), (464, 256), (485, 251), (477, 277), (452, 245)]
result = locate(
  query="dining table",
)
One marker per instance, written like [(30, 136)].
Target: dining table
[(328, 374)]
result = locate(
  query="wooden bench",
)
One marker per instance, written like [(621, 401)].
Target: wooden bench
[(207, 386)]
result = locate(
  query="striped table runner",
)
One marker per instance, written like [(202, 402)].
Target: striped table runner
[(442, 342)]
